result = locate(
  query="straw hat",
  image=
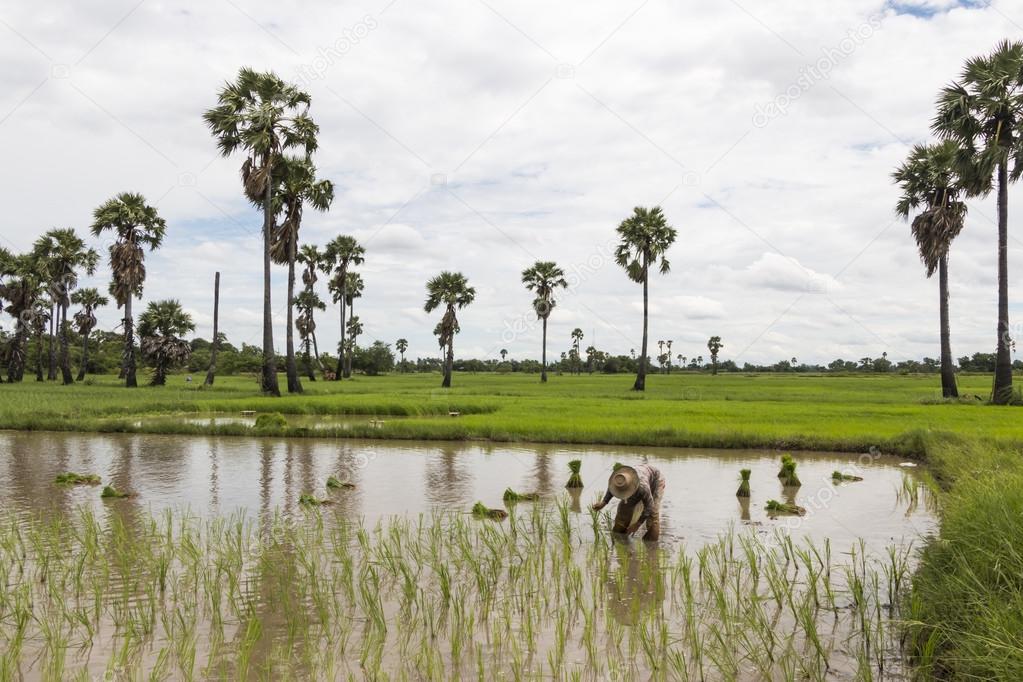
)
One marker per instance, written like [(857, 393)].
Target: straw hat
[(624, 482)]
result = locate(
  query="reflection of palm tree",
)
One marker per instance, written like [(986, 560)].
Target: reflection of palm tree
[(542, 472), (266, 458), (449, 482), (214, 478)]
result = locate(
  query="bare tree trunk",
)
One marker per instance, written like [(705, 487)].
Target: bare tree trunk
[(268, 381), (316, 347), (129, 345), (291, 365), (341, 344), (349, 349), (65, 360), (18, 352), (449, 362), (543, 355), (640, 384), (211, 373), (307, 360), (1002, 393), (948, 376)]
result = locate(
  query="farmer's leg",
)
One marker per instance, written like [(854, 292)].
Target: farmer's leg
[(653, 523), (623, 519)]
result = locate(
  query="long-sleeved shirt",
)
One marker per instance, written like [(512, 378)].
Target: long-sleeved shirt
[(651, 486)]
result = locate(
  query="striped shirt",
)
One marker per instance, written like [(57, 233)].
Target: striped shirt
[(650, 491)]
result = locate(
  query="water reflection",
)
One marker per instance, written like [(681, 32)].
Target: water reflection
[(223, 475), (636, 585)]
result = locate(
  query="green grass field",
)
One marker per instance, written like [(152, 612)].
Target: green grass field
[(854, 412)]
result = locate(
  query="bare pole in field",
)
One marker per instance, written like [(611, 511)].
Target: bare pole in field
[(216, 329)]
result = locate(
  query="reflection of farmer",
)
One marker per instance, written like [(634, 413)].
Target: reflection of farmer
[(637, 587), (640, 490)]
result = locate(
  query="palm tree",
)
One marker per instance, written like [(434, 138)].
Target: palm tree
[(577, 339), (354, 330), (339, 254), (64, 253), (21, 288), (503, 353), (160, 327), (401, 345), (306, 302), (644, 238), (451, 290), (136, 225), (263, 116), (668, 344), (714, 345), (983, 114), (544, 278), (295, 185), (353, 289), (929, 178), (85, 320)]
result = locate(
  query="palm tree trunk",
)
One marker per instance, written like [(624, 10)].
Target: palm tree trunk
[(948, 376), (268, 381), (316, 345), (65, 360), (51, 373), (294, 384), (307, 360), (640, 384), (341, 346), (85, 354), (350, 348), (16, 352), (449, 362), (543, 355), (159, 374), (129, 346), (212, 371), (1002, 393)]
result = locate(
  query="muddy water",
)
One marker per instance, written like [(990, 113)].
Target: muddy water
[(212, 476)]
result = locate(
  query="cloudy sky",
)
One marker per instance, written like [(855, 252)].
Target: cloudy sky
[(482, 135)]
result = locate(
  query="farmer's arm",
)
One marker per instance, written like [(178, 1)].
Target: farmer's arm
[(648, 508), (603, 503)]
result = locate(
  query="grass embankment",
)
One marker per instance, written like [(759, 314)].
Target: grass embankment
[(967, 598), (854, 413)]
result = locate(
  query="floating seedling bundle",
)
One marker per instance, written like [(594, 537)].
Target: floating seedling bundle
[(838, 477), (334, 484), (481, 511), (575, 480), (71, 478), (775, 507), (512, 496), (110, 492), (743, 490), (310, 500)]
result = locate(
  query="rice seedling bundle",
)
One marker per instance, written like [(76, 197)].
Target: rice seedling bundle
[(512, 496), (481, 511), (838, 477), (71, 478), (776, 507), (575, 480), (743, 490), (334, 484)]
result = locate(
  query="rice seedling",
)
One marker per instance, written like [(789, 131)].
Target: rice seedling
[(575, 480), (333, 483), (788, 476), (110, 492), (481, 511), (71, 478), (512, 496), (743, 490), (786, 459), (839, 477), (776, 507), (310, 500)]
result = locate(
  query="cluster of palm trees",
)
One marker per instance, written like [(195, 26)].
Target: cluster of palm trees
[(979, 126)]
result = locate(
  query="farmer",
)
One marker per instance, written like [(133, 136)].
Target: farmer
[(640, 491)]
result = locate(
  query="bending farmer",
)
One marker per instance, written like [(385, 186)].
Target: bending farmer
[(640, 491)]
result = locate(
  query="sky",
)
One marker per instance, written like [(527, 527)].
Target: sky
[(483, 135)]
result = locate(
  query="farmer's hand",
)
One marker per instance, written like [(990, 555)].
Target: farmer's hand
[(597, 506), (633, 528)]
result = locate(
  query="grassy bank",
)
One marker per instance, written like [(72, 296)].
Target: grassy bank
[(852, 413)]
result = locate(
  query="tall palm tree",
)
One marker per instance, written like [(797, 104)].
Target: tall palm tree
[(983, 114), (544, 278), (577, 339), (264, 117), (64, 254), (929, 178), (644, 238), (354, 330), (295, 185), (353, 287), (714, 345), (668, 344), (451, 290), (160, 328), (136, 225), (21, 289), (341, 253), (306, 302), (85, 320), (401, 345)]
